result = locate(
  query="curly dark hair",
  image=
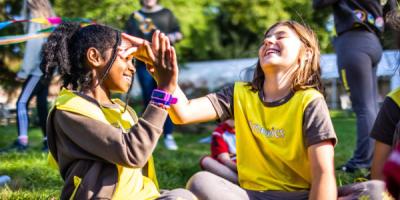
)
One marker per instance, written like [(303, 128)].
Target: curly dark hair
[(65, 51)]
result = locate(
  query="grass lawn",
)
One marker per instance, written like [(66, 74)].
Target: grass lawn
[(32, 178)]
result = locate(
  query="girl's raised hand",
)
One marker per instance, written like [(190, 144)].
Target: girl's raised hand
[(136, 47), (165, 67)]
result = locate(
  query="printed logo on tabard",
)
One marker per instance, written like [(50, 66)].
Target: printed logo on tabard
[(267, 132)]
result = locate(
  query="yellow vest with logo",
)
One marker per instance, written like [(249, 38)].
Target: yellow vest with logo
[(132, 184), (395, 95), (271, 151)]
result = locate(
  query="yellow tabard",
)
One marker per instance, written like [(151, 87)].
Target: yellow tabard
[(271, 152), (395, 95)]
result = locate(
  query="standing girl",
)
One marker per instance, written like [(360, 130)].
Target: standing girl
[(102, 149), (31, 76)]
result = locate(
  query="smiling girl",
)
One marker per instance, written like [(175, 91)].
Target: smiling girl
[(102, 149), (285, 137)]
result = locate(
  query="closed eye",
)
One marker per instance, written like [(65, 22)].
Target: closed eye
[(282, 36)]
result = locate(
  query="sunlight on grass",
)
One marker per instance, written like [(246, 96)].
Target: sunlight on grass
[(32, 178)]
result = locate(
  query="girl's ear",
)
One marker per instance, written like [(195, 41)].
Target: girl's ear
[(305, 55), (94, 57), (308, 54)]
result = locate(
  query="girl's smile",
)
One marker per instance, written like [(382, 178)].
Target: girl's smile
[(120, 76)]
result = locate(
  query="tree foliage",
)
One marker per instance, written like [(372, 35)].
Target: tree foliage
[(10, 55), (213, 29)]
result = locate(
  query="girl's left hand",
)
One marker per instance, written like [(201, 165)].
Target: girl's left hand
[(136, 47), (160, 58), (165, 68)]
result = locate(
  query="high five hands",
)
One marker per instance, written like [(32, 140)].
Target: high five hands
[(159, 56)]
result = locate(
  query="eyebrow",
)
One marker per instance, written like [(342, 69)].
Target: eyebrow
[(277, 33)]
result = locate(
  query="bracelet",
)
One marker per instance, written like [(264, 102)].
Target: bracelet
[(163, 106)]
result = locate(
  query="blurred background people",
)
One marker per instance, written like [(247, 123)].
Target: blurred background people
[(142, 23), (222, 161), (30, 74), (358, 26), (4, 179)]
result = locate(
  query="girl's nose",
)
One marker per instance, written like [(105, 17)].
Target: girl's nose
[(270, 39), (132, 66)]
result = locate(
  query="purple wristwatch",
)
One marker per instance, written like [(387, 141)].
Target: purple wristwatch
[(162, 97)]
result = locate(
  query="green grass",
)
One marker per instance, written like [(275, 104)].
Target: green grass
[(32, 178)]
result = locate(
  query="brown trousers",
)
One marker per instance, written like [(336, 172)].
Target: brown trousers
[(208, 186)]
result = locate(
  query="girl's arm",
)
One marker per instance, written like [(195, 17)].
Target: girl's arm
[(164, 69), (191, 111), (108, 143), (225, 159), (184, 111), (323, 185), (320, 139), (381, 153), (384, 131)]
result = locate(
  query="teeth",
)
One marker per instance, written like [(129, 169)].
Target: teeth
[(128, 78), (270, 51)]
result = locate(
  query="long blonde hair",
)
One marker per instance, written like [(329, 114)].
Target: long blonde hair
[(308, 74)]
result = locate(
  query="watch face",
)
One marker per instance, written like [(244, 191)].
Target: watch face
[(159, 95)]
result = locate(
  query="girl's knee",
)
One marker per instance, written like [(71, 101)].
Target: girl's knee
[(178, 193), (376, 186), (185, 194), (199, 180), (372, 189), (199, 184)]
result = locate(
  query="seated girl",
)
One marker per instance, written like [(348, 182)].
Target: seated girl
[(103, 150), (285, 136), (222, 161)]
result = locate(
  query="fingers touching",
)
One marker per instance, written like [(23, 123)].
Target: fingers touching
[(159, 56), (134, 41), (162, 49), (155, 40), (159, 51)]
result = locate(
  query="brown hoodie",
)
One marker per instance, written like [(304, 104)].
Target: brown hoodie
[(91, 149)]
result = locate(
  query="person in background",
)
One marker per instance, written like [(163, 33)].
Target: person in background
[(222, 161), (32, 77), (4, 179), (358, 26), (142, 24), (386, 132)]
